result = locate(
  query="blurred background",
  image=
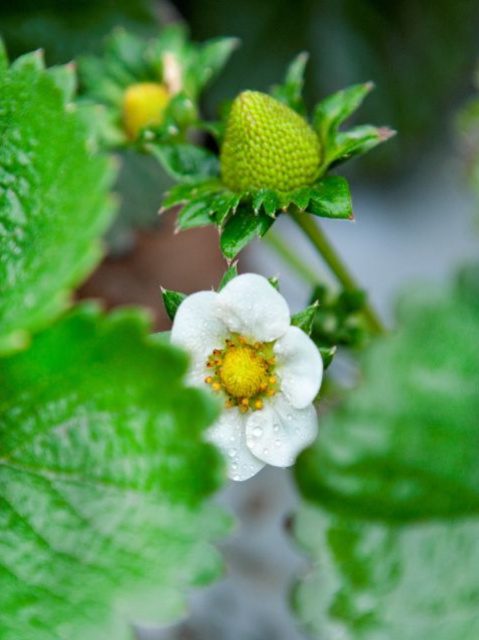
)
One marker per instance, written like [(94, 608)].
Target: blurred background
[(415, 212)]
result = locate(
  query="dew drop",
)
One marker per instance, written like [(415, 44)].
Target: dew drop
[(257, 432)]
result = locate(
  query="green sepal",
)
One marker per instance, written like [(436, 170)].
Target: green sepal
[(240, 229), (185, 162), (180, 113), (331, 112), (304, 319), (185, 192), (356, 141), (192, 215), (230, 273), (171, 301), (331, 198), (291, 90), (268, 200), (274, 282), (339, 146), (209, 202), (210, 59), (327, 355)]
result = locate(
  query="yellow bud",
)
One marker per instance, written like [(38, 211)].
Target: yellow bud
[(144, 104)]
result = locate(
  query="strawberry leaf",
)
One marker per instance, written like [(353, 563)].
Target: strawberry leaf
[(54, 201), (104, 476)]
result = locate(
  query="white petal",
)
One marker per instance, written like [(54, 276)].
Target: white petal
[(228, 434), (278, 433), (251, 306), (299, 368), (198, 329)]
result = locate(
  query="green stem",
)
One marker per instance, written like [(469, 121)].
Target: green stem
[(282, 248), (321, 243)]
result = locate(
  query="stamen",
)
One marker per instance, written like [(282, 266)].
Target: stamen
[(244, 372)]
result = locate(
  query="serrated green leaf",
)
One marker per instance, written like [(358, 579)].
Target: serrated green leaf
[(410, 432), (32, 61), (393, 485), (172, 300), (336, 108), (331, 198), (54, 202), (65, 78), (103, 478), (230, 273), (373, 580), (3, 57), (240, 229), (186, 162), (304, 319), (290, 92)]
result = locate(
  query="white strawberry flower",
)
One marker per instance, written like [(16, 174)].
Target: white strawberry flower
[(242, 346)]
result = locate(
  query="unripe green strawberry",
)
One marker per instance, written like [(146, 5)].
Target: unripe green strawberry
[(267, 145)]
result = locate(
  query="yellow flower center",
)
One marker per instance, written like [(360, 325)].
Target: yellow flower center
[(144, 104), (244, 372)]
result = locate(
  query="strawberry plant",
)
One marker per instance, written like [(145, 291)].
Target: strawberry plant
[(114, 437)]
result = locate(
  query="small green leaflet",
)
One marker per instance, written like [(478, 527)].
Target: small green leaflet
[(54, 198), (393, 484), (104, 476)]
